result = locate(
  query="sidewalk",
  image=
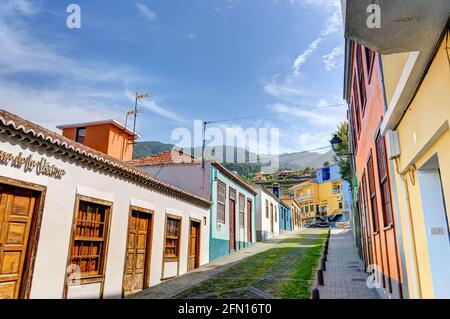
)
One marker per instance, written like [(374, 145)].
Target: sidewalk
[(173, 287), (344, 277)]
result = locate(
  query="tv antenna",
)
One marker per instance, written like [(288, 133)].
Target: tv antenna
[(139, 97)]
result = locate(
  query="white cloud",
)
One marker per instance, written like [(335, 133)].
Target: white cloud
[(145, 12), (85, 89), (301, 59), (314, 117), (331, 60)]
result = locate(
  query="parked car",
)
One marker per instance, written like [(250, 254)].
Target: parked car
[(323, 225)]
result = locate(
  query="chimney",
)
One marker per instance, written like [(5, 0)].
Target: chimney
[(276, 189), (109, 137)]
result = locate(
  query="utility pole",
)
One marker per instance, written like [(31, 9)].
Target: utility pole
[(204, 143), (139, 96)]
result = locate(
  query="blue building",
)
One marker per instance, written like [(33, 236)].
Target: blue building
[(233, 200), (286, 224)]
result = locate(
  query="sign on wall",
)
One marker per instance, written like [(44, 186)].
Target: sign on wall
[(39, 166)]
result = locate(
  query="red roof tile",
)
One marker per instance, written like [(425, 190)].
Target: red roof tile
[(166, 158)]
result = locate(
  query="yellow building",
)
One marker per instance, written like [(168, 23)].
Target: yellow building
[(416, 73), (294, 206), (420, 145), (320, 199)]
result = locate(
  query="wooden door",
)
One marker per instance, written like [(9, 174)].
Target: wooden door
[(139, 244), (194, 246), (232, 224), (17, 207)]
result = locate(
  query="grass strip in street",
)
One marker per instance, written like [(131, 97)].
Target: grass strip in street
[(300, 285), (265, 271)]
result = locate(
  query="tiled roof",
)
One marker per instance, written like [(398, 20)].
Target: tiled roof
[(175, 158), (166, 158), (13, 124)]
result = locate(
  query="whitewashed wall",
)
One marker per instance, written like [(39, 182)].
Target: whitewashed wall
[(52, 252), (262, 222)]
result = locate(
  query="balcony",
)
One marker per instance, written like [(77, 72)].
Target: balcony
[(406, 25)]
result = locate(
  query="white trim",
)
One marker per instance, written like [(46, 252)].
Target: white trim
[(101, 122), (394, 104)]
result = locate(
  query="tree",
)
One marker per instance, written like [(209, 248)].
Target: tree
[(326, 164), (342, 158)]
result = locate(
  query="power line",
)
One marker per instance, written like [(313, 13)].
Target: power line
[(272, 114)]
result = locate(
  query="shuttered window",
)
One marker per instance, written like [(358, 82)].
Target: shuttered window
[(241, 210), (372, 194), (384, 180), (90, 237), (221, 199), (172, 238)]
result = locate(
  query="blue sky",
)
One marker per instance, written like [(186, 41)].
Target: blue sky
[(201, 59)]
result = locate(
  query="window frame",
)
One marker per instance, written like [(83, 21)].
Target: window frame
[(383, 179), (369, 62), (179, 237), (242, 200), (92, 278), (372, 194), (267, 209), (77, 135), (221, 220), (361, 79)]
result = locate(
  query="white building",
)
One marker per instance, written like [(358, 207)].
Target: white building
[(77, 223), (267, 215)]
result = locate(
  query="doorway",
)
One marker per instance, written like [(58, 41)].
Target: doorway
[(436, 224), (18, 219), (194, 245), (138, 254)]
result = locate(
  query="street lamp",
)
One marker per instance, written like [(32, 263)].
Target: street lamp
[(336, 143)]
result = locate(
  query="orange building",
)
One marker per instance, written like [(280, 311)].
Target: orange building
[(364, 93), (109, 137)]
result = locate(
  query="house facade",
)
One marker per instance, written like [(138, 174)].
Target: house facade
[(326, 198), (294, 209), (268, 221), (416, 79), (366, 109), (233, 209), (78, 223)]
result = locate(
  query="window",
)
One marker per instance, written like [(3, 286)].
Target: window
[(340, 205), (384, 181), (307, 209), (311, 208), (241, 210), (249, 220), (356, 106), (361, 79), (276, 214), (267, 208), (80, 136), (336, 189), (372, 195), (172, 239), (221, 199), (370, 55), (90, 236), (326, 174)]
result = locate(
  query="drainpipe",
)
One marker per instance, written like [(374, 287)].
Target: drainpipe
[(411, 228)]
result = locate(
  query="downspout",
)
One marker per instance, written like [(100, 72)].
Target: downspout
[(411, 228)]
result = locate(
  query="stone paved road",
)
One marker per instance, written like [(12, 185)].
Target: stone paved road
[(344, 277), (259, 271)]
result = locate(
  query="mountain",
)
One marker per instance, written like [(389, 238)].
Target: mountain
[(287, 161), (142, 149)]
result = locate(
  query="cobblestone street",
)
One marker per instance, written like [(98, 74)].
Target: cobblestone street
[(279, 268)]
